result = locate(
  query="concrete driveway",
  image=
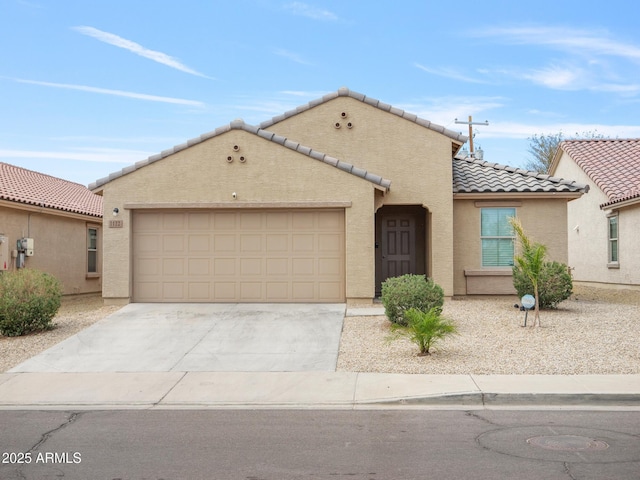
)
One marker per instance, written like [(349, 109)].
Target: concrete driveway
[(202, 337)]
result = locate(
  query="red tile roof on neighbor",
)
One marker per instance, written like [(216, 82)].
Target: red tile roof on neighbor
[(33, 188), (612, 164)]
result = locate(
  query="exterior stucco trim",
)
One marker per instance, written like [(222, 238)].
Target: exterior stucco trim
[(234, 205)]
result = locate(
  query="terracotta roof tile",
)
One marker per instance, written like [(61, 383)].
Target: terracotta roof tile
[(612, 164), (26, 186), (472, 175)]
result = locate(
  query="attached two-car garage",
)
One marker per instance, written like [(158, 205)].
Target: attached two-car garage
[(239, 255)]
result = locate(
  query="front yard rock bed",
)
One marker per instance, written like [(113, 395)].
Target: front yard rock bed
[(596, 331)]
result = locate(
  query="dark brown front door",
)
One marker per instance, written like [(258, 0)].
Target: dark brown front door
[(400, 242), (398, 246)]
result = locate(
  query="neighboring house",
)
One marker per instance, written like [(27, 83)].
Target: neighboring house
[(603, 226), (64, 222), (320, 204)]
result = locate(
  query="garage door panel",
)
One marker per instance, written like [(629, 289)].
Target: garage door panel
[(199, 291), (199, 266), (239, 256), (173, 243), (277, 266), (173, 291), (224, 243), (199, 243)]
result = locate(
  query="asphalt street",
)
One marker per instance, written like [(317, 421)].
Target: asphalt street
[(320, 444)]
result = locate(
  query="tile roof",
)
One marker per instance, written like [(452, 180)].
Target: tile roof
[(471, 175), (26, 186), (345, 92), (241, 125), (612, 164)]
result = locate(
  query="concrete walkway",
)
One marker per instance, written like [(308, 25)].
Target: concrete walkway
[(342, 390)]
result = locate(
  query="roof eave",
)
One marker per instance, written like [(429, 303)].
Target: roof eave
[(616, 205), (515, 195)]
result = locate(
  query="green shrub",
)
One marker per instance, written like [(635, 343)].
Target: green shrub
[(29, 300), (425, 328), (555, 284), (409, 291)]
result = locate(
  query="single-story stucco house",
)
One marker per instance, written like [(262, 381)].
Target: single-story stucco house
[(603, 226), (320, 204), (61, 223)]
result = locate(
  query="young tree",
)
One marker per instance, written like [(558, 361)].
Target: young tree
[(530, 260), (542, 148)]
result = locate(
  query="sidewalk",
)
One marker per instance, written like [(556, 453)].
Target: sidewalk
[(302, 390)]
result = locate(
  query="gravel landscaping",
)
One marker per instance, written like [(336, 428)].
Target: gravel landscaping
[(594, 332), (75, 314)]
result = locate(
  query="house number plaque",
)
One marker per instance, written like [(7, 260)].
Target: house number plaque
[(115, 223)]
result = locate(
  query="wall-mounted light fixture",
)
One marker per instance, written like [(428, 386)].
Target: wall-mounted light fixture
[(115, 212)]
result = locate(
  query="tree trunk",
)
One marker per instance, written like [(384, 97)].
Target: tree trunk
[(536, 320)]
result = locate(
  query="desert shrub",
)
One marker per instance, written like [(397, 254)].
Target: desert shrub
[(425, 328), (409, 291), (29, 299), (554, 284)]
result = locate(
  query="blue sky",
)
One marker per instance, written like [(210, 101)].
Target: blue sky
[(89, 87)]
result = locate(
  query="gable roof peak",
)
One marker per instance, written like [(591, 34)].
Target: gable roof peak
[(346, 92), (239, 124)]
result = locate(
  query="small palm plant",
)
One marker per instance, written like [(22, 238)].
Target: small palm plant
[(424, 328), (530, 261)]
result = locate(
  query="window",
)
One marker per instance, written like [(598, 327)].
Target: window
[(613, 239), (92, 250), (497, 237)]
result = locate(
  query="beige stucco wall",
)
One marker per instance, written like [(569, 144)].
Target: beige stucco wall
[(543, 219), (416, 159), (271, 175), (60, 244), (588, 233)]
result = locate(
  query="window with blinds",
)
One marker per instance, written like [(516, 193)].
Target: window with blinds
[(497, 237)]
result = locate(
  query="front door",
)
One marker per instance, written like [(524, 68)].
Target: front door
[(400, 242), (398, 245)]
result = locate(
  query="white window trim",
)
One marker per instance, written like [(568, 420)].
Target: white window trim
[(97, 273), (611, 263)]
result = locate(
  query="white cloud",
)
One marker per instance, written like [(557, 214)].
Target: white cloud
[(555, 77), (574, 40), (524, 130), (110, 155), (444, 110), (291, 56), (118, 93), (305, 10), (300, 93), (448, 72), (138, 49)]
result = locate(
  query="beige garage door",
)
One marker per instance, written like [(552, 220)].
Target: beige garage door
[(238, 256)]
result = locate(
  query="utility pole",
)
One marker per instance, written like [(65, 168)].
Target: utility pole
[(470, 123)]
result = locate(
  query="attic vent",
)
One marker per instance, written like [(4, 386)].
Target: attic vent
[(236, 148), (343, 114), (229, 159), (337, 125)]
